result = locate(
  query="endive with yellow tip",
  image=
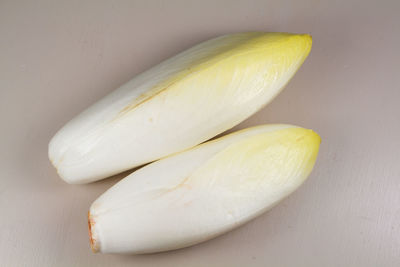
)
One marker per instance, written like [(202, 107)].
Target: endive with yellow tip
[(177, 104), (202, 192)]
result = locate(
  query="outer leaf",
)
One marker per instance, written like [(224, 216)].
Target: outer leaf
[(203, 192), (178, 104)]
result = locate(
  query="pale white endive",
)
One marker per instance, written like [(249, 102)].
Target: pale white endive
[(177, 104), (202, 192)]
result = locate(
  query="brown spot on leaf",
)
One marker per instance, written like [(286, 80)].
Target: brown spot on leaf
[(143, 98), (94, 245)]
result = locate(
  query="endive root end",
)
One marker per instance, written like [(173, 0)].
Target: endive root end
[(94, 245)]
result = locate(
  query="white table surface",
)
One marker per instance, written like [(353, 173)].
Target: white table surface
[(58, 57)]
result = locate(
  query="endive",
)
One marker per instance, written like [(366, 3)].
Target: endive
[(177, 104), (203, 192)]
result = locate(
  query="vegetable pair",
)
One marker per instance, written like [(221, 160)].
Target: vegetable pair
[(191, 196)]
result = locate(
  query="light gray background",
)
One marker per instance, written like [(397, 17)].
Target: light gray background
[(58, 57)]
